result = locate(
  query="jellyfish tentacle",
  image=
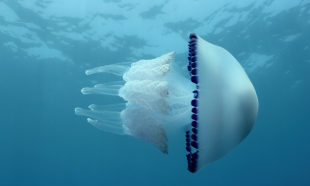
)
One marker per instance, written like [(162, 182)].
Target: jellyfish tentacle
[(117, 69), (116, 128), (111, 88), (112, 107), (109, 116), (109, 121)]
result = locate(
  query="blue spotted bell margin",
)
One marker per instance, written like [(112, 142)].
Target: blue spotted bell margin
[(192, 145)]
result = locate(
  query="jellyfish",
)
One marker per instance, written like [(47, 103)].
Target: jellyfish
[(214, 103)]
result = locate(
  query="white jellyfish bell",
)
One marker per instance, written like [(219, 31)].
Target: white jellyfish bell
[(216, 105)]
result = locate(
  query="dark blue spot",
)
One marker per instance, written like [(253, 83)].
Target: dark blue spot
[(194, 103), (193, 43), (188, 157), (195, 155), (194, 65), (188, 148), (194, 161), (194, 144), (192, 169), (193, 59), (194, 110), (194, 165), (193, 39), (194, 71), (194, 137), (194, 124), (189, 68), (195, 117), (193, 52), (194, 79), (195, 94), (192, 35), (194, 130)]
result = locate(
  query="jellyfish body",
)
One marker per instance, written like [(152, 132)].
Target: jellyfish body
[(216, 104)]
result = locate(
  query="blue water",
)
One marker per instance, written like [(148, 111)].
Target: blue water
[(46, 46)]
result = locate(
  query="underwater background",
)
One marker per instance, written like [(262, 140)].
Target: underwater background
[(46, 46)]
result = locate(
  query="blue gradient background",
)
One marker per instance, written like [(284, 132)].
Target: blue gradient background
[(46, 46)]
